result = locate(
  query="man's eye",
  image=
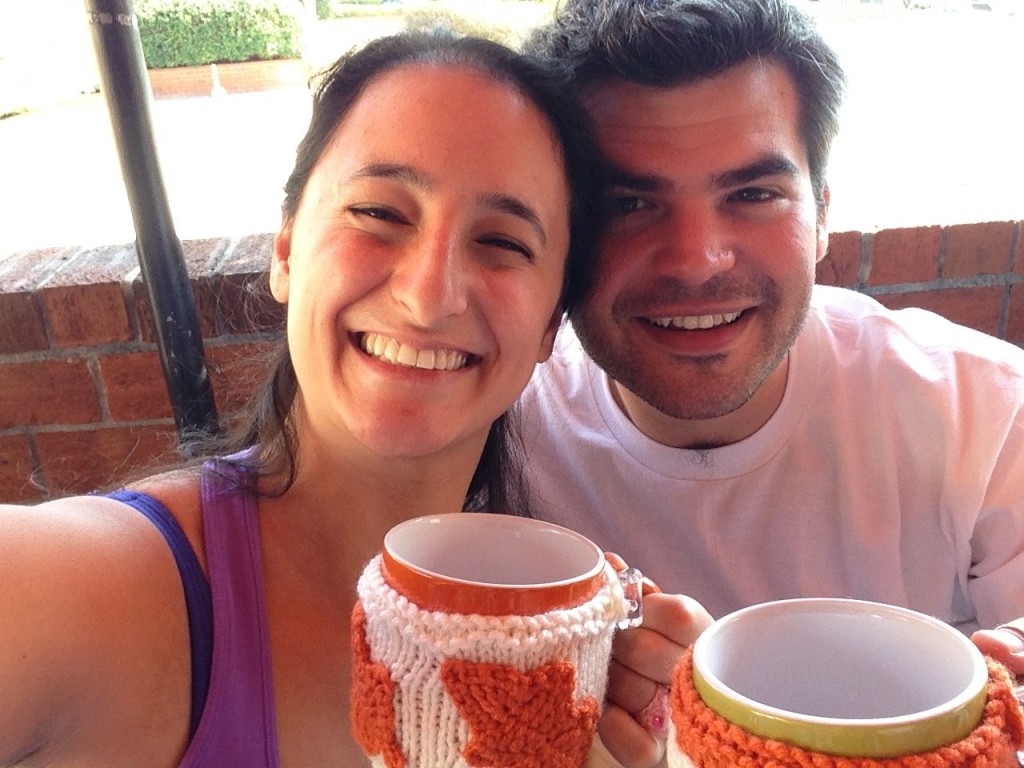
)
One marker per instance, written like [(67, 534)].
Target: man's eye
[(754, 195), (626, 204)]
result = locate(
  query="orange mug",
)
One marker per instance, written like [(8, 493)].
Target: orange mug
[(485, 639)]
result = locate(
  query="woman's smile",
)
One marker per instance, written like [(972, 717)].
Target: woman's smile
[(389, 350)]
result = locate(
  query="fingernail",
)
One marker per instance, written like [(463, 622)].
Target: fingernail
[(1013, 639), (654, 717)]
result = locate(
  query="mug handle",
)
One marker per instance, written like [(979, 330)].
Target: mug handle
[(632, 581)]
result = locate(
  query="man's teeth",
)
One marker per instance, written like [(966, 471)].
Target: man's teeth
[(695, 322), (391, 351)]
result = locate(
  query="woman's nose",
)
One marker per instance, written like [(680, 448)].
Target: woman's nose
[(430, 280)]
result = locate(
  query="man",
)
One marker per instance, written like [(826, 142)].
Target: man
[(734, 431)]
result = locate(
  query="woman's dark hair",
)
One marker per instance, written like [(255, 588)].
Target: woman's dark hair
[(267, 428), (669, 43)]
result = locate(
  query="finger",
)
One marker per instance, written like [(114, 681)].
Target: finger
[(629, 690), (627, 741), (618, 564), (678, 617), (1003, 645), (671, 624), (647, 653)]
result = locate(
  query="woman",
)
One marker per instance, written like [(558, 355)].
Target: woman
[(435, 227)]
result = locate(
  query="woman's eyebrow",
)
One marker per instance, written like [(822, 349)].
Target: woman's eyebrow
[(398, 171), (499, 202), (516, 207)]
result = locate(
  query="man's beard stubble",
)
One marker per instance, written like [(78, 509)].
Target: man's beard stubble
[(721, 393)]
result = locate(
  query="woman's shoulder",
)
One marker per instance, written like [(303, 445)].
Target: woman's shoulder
[(178, 491), (74, 531), (65, 559), (91, 606)]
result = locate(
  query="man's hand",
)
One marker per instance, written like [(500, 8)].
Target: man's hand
[(643, 660), (1005, 644)]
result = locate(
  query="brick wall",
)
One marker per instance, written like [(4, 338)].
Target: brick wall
[(971, 273), (83, 397), (83, 394), (234, 77)]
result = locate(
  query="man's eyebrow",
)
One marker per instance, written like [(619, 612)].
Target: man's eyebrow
[(516, 207), (396, 171), (617, 177), (773, 165)]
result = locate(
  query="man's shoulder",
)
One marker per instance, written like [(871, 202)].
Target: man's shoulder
[(568, 350), (568, 360), (564, 378), (857, 323)]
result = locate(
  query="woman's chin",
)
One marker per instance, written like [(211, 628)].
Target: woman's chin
[(414, 441)]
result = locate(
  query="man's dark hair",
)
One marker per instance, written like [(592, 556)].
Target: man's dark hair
[(678, 42)]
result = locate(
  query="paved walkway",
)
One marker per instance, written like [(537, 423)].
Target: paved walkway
[(224, 161)]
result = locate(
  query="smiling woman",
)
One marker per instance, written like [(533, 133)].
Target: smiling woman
[(400, 236), (424, 274)]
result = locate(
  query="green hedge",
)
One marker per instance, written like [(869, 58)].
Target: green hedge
[(341, 9), (177, 33)]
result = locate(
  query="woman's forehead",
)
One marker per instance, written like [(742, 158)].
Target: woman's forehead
[(446, 127), (446, 121)]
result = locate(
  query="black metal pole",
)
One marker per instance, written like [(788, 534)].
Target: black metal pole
[(125, 84)]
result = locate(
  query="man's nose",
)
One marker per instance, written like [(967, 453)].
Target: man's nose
[(430, 279), (695, 246)]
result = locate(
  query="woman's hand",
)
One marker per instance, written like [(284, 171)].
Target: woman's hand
[(634, 724)]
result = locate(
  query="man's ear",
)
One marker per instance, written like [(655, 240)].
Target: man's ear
[(280, 273), (547, 343), (822, 227)]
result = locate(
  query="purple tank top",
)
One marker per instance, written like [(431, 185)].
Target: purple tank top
[(237, 727)]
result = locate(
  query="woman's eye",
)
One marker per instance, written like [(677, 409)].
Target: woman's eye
[(378, 212), (507, 244)]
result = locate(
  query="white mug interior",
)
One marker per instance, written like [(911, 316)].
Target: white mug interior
[(840, 659), (494, 550)]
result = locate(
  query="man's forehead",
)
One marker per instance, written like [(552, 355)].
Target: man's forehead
[(609, 98), (740, 118), (754, 83)]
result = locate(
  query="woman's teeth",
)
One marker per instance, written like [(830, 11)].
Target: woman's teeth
[(391, 351), (695, 322)]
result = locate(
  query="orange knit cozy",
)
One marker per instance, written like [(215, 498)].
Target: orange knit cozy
[(701, 737), (438, 690)]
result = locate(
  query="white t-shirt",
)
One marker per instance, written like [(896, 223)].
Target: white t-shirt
[(893, 470)]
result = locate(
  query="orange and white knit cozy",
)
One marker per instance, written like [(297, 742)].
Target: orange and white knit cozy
[(433, 690)]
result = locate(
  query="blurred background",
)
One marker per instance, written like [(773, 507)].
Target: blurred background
[(930, 132)]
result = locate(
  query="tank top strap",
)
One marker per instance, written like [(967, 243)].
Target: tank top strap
[(196, 590), (238, 726)]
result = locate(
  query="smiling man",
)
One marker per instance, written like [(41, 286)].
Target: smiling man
[(710, 414)]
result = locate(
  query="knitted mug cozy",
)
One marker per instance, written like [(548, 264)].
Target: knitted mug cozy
[(699, 737), (433, 689)]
